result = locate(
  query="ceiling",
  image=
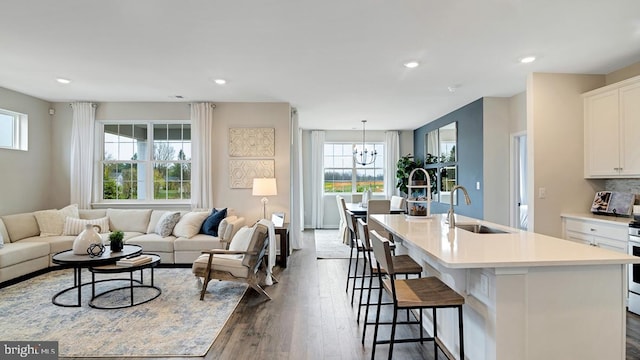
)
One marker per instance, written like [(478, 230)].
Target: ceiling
[(337, 61)]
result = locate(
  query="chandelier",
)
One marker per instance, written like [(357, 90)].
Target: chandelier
[(364, 156)]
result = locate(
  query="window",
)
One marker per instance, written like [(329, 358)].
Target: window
[(13, 130), (146, 161), (343, 175)]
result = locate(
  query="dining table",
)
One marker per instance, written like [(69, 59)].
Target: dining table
[(361, 211)]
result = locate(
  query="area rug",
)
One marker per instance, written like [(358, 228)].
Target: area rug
[(176, 323), (329, 245)]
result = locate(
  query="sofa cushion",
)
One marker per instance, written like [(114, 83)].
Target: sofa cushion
[(56, 243), (166, 223), (19, 252), (190, 223), (153, 242), (21, 226), (73, 226), (197, 243), (92, 213), (212, 222), (3, 232), (51, 222), (128, 219)]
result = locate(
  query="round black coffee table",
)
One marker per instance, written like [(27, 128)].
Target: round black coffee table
[(77, 262), (132, 283)]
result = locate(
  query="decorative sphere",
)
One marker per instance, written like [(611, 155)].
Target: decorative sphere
[(95, 250)]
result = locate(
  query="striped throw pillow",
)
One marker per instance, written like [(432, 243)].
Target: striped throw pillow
[(73, 226)]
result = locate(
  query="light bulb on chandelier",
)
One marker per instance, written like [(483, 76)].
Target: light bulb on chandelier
[(364, 156)]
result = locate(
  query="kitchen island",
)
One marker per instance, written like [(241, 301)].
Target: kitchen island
[(528, 296)]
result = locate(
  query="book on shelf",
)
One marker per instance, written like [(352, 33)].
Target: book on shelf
[(134, 261)]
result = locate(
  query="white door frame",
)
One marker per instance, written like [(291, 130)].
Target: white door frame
[(514, 220)]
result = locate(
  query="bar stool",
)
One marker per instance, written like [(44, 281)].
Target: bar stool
[(356, 244), (427, 292), (403, 264)]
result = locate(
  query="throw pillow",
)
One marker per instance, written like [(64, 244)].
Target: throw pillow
[(51, 222), (241, 240), (1, 241), (73, 226), (166, 223), (211, 224), (189, 224)]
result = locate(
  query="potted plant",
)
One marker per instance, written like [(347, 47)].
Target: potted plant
[(404, 167), (116, 240)]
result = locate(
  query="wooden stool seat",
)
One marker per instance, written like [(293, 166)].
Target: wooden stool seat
[(424, 292)]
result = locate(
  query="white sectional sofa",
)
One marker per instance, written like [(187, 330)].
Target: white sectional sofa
[(26, 250)]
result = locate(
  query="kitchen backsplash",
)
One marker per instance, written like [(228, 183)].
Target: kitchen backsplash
[(624, 185)]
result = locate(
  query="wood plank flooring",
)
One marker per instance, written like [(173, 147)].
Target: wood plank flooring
[(310, 317)]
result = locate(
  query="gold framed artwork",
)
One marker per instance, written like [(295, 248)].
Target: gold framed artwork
[(242, 172), (251, 142)]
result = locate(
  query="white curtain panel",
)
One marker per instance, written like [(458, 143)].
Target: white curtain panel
[(391, 157), (317, 178), (201, 155), (81, 172), (296, 183)]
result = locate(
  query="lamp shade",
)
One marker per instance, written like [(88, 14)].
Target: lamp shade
[(264, 187)]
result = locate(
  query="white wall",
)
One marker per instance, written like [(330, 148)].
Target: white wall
[(518, 113), (25, 183), (555, 148), (226, 115), (495, 166)]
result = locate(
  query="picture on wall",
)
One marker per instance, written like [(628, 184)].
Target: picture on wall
[(251, 142), (242, 172)]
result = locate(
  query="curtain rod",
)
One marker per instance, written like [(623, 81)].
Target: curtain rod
[(94, 105)]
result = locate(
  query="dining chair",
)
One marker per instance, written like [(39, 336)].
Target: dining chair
[(397, 202), (343, 231), (422, 293), (356, 198)]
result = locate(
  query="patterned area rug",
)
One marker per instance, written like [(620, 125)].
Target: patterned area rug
[(176, 323), (329, 245)]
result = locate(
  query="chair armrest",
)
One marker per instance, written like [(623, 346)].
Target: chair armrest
[(233, 225), (227, 252)]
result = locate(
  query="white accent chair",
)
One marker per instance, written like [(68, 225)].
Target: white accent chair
[(397, 202)]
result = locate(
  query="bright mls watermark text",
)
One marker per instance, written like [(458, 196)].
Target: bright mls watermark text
[(29, 350)]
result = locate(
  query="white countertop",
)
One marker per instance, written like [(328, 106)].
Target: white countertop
[(599, 218), (457, 248)]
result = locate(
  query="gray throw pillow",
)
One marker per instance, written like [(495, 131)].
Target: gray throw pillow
[(166, 223)]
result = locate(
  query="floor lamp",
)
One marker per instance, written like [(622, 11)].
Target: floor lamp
[(264, 187)]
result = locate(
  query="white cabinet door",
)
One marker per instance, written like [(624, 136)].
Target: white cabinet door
[(630, 130), (602, 134)]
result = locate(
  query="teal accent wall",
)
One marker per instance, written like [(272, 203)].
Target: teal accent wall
[(469, 120)]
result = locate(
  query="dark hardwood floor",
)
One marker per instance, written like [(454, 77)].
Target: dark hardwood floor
[(310, 317)]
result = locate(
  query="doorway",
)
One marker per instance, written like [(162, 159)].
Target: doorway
[(519, 209)]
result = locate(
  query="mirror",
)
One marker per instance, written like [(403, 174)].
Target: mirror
[(441, 156)]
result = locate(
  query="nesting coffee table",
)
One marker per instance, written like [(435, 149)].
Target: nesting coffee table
[(77, 262), (132, 283)]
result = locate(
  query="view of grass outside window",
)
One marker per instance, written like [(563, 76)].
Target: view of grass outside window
[(147, 161), (343, 175), (13, 130)]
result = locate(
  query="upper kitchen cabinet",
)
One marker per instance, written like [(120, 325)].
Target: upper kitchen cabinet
[(611, 128)]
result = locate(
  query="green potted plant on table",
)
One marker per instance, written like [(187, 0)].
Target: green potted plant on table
[(116, 241)]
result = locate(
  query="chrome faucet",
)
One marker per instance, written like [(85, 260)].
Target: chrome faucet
[(450, 217)]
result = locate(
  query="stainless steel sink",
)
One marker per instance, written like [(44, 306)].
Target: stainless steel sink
[(480, 229)]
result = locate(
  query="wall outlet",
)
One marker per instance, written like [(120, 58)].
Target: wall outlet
[(477, 185), (542, 193)]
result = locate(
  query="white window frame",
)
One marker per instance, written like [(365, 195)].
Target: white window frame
[(354, 167), (20, 130), (147, 163)]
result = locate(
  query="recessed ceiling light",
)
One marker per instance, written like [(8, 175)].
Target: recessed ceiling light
[(220, 81), (453, 88), (412, 64), (528, 59), (63, 81)]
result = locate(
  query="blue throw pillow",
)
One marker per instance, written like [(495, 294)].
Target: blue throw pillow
[(211, 223)]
